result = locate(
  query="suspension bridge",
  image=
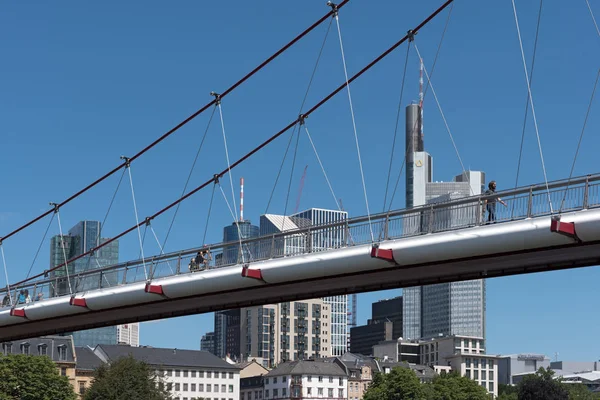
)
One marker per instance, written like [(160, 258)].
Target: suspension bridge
[(546, 226)]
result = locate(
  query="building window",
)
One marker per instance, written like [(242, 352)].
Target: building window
[(491, 364), (42, 349), (275, 393), (224, 375), (208, 374), (267, 394), (169, 386), (63, 371), (491, 387), (169, 372), (185, 387), (62, 352), (81, 385), (491, 377), (193, 387), (308, 391), (231, 375), (177, 387), (309, 378), (275, 380), (468, 373), (208, 387), (7, 348), (330, 392), (216, 387), (25, 348), (320, 378), (223, 388), (185, 374), (331, 379), (231, 389), (284, 392), (320, 391), (201, 387), (341, 393), (177, 372), (476, 374), (341, 381)]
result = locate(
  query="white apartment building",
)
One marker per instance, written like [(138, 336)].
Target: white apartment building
[(187, 374), (306, 379), (129, 334)]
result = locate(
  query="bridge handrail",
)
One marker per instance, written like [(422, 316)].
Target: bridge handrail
[(531, 190)]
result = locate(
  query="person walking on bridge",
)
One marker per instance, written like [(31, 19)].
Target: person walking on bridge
[(490, 203)]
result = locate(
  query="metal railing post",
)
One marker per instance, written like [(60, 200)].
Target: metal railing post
[(530, 203), (178, 269), (586, 195), (125, 276), (100, 280), (431, 216), (272, 246), (386, 227)]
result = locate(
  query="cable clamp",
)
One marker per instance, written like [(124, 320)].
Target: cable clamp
[(147, 221), (411, 35), (217, 97), (334, 8), (127, 161), (301, 119), (216, 178), (56, 207)]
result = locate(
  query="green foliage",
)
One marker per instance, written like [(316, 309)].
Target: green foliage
[(452, 386), (400, 383), (578, 391), (25, 377), (542, 385), (507, 392), (126, 379)]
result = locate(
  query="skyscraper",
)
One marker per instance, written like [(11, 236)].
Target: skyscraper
[(81, 238), (207, 342), (456, 308)]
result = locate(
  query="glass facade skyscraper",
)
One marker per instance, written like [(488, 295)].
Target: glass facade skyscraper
[(456, 308), (83, 237)]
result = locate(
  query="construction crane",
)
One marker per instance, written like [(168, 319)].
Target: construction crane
[(300, 187)]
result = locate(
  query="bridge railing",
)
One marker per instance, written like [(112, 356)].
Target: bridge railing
[(521, 203)]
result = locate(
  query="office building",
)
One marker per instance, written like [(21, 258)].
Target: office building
[(207, 342), (80, 239), (513, 366), (227, 334), (398, 350), (445, 309), (231, 234), (296, 330), (128, 334), (385, 325)]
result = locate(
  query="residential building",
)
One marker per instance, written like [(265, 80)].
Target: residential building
[(399, 350), (129, 334), (186, 374), (287, 331), (306, 379), (360, 371), (207, 342), (385, 324), (81, 238), (251, 368), (252, 388), (456, 308), (423, 372), (518, 364), (60, 349), (87, 363)]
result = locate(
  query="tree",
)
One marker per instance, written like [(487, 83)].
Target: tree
[(542, 385), (578, 391), (507, 392), (452, 386), (126, 379), (400, 383), (25, 377)]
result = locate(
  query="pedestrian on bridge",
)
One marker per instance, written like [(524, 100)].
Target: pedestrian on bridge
[(490, 203)]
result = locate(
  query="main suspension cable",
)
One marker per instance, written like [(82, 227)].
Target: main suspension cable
[(360, 164), (587, 114), (537, 132), (263, 144), (184, 122)]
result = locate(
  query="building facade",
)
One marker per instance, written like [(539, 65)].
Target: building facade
[(207, 342), (81, 238), (513, 365), (129, 334), (306, 380), (186, 374), (456, 308), (385, 325)]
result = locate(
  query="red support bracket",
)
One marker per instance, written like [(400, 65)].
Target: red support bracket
[(18, 312), (384, 254), (564, 228), (78, 302), (252, 273), (156, 289)]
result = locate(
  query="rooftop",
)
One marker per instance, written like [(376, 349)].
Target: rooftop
[(86, 359), (307, 368)]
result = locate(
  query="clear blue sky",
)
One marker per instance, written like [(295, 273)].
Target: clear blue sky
[(83, 83)]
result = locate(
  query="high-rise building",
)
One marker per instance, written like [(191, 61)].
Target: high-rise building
[(385, 325), (84, 236), (296, 330), (232, 233), (207, 342), (227, 334), (129, 334), (456, 308)]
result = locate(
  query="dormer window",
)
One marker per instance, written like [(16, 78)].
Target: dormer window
[(42, 349), (25, 348), (62, 352), (6, 348)]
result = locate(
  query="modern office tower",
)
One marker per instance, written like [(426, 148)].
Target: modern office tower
[(83, 237), (456, 308), (296, 330), (207, 342), (227, 334), (385, 325), (232, 254), (129, 334)]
